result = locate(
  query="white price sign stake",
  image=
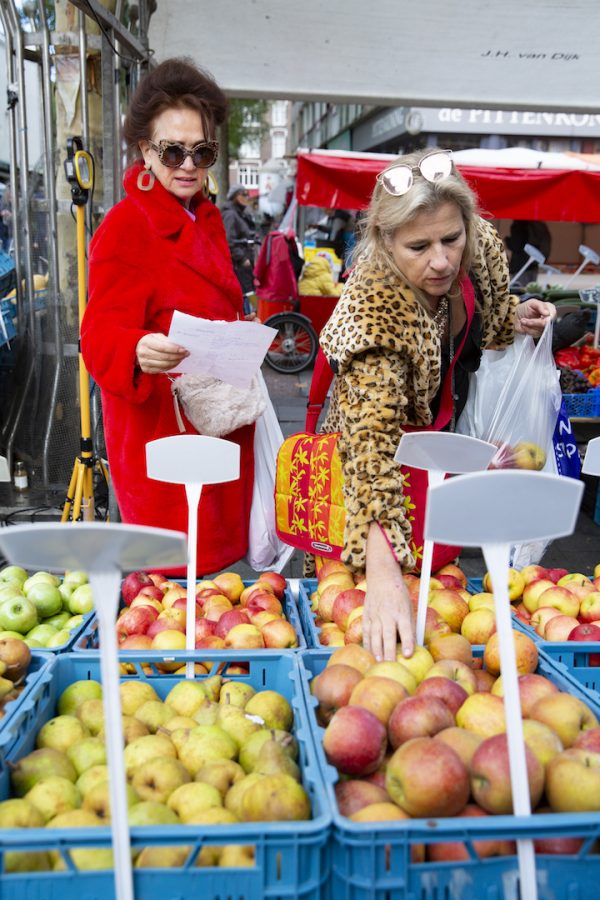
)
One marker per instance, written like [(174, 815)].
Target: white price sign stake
[(440, 453), (548, 508), (104, 551), (192, 460), (591, 461)]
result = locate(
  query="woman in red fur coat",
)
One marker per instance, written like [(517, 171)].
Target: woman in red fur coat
[(163, 248)]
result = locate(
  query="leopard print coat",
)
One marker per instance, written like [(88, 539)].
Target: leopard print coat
[(386, 353)]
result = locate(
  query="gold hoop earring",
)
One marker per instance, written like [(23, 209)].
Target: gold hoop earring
[(145, 180)]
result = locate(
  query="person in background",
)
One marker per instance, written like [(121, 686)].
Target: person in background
[(524, 231), (400, 322), (160, 249), (317, 279), (241, 235), (6, 220)]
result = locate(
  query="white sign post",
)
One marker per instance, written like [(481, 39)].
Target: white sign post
[(498, 509), (105, 552), (192, 460), (439, 453)]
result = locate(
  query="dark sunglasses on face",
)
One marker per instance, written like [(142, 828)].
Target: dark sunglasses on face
[(173, 154)]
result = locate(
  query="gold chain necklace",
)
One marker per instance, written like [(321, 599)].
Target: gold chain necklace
[(440, 316)]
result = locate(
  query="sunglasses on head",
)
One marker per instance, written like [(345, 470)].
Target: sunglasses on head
[(397, 180), (173, 154)]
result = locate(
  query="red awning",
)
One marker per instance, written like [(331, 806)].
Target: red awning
[(346, 182)]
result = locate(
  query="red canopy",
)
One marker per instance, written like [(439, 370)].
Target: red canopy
[(346, 182)]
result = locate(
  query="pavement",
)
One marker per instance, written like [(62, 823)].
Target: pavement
[(579, 552)]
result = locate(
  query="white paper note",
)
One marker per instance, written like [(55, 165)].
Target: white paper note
[(231, 351)]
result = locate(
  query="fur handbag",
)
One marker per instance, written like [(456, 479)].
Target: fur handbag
[(214, 407)]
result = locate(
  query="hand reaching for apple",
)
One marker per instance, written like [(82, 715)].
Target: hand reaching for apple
[(156, 353), (532, 315), (387, 610)]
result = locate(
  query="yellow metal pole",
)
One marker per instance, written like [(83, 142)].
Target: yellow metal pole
[(84, 380)]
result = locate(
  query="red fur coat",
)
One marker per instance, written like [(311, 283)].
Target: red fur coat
[(147, 259)]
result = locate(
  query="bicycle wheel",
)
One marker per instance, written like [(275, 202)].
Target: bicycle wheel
[(295, 346)]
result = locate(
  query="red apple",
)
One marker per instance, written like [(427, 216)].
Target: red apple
[(143, 600), (229, 619), (151, 590), (541, 617), (279, 634), (354, 794), (418, 716), (332, 687), (163, 625), (484, 681), (450, 646), (455, 571), (589, 608), (426, 778), (450, 605), (157, 579), (244, 637), (215, 607), (559, 628), (136, 642), (230, 584), (132, 585), (181, 603), (589, 740), (277, 582), (449, 581), (462, 741), (587, 632), (530, 573), (329, 566), (173, 594), (354, 631), (211, 642), (264, 602), (136, 620), (562, 599), (490, 776), (203, 628), (556, 574), (434, 625), (326, 599), (525, 652), (343, 605), (532, 592), (378, 694), (456, 851), (563, 846), (445, 689), (355, 741)]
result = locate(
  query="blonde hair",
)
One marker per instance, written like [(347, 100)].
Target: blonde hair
[(386, 213)]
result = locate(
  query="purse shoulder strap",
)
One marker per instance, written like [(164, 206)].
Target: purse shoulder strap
[(323, 374)]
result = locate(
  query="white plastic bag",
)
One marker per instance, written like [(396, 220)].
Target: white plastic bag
[(514, 400), (265, 550)]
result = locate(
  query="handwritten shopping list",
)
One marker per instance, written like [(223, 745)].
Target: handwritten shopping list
[(231, 351)]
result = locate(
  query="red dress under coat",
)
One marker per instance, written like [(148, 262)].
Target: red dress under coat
[(147, 259)]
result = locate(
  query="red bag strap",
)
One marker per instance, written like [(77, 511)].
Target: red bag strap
[(323, 375)]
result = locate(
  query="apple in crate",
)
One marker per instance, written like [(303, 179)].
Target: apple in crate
[(426, 778), (587, 632), (559, 628), (132, 584), (589, 608), (490, 776), (279, 634), (456, 851), (355, 741), (332, 688), (573, 781)]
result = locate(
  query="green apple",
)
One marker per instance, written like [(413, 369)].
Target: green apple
[(88, 752), (73, 696), (148, 812), (38, 577), (59, 620), (81, 600), (13, 573), (18, 614), (54, 795), (46, 599), (11, 634), (73, 622), (60, 732), (33, 644), (10, 590), (59, 639), (190, 799), (75, 578), (38, 765), (65, 591), (42, 633), (157, 778)]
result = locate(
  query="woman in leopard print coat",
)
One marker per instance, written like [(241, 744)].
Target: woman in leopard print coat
[(387, 341)]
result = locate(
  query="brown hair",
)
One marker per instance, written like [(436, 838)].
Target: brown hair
[(176, 82)]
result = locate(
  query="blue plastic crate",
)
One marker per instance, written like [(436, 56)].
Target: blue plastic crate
[(583, 405), (88, 638), (38, 671), (372, 861), (292, 858), (307, 616)]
